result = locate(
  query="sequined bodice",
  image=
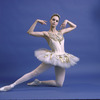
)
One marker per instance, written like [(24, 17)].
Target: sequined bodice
[(56, 42)]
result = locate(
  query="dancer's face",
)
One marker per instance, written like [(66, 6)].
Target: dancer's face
[(54, 21)]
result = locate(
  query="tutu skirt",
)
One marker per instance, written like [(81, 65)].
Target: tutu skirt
[(64, 59)]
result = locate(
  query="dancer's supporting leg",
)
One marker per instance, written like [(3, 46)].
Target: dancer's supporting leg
[(60, 76), (41, 68)]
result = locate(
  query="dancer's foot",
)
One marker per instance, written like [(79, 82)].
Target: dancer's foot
[(35, 82), (6, 88)]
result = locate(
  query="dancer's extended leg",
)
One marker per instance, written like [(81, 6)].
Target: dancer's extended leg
[(41, 68), (60, 76)]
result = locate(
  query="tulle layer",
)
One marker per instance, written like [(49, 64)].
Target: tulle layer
[(64, 60)]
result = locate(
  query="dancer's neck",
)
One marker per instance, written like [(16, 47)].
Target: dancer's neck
[(52, 29)]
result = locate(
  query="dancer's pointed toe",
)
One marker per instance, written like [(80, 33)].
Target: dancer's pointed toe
[(6, 88)]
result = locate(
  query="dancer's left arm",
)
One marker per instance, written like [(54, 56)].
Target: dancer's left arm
[(66, 30)]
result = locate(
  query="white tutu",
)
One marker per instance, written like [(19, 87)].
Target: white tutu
[(64, 60), (57, 55)]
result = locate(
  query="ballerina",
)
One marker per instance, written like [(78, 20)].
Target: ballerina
[(56, 57)]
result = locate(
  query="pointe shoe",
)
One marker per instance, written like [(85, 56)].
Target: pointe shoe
[(6, 88), (35, 82)]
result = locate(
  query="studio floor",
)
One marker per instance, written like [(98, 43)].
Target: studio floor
[(75, 87), (70, 90)]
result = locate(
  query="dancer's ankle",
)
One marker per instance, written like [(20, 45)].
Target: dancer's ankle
[(13, 85), (40, 82)]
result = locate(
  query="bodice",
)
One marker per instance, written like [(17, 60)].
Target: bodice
[(56, 42)]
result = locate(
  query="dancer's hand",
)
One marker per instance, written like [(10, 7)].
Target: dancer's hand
[(41, 21), (63, 25)]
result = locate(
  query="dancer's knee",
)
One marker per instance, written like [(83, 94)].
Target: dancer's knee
[(59, 84), (34, 73), (31, 74)]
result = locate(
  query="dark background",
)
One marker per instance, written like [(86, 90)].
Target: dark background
[(17, 47)]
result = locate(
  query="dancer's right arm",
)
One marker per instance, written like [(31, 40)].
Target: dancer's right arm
[(31, 30)]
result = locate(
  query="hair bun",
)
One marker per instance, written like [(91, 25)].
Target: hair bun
[(56, 14)]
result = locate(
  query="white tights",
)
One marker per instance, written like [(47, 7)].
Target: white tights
[(59, 72)]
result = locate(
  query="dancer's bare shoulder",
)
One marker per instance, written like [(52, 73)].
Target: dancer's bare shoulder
[(46, 33)]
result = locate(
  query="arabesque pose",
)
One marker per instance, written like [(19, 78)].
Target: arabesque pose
[(56, 57)]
